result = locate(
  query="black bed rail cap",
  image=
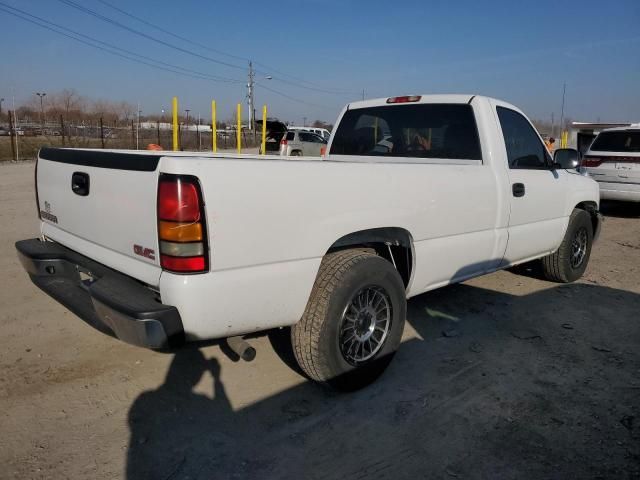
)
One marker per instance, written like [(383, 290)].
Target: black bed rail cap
[(141, 162)]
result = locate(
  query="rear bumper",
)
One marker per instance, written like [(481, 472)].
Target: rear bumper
[(105, 299), (627, 192)]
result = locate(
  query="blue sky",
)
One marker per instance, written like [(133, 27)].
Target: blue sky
[(517, 51)]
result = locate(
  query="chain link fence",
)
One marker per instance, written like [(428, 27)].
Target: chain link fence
[(22, 140)]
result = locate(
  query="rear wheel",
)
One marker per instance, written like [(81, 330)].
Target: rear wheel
[(353, 322), (569, 262), (296, 153)]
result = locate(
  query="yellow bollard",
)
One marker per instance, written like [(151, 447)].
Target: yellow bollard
[(239, 129), (214, 128), (175, 124), (264, 129)]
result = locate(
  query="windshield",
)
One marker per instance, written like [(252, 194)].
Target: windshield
[(620, 141), (422, 130)]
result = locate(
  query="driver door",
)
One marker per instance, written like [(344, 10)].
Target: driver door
[(536, 192)]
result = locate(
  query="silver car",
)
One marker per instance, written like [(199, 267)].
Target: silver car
[(613, 160), (297, 143)]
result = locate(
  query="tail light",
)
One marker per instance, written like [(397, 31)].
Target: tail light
[(283, 141), (323, 151), (405, 99), (35, 182), (181, 225), (589, 161)]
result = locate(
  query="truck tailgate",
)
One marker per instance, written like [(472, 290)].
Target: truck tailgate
[(103, 205)]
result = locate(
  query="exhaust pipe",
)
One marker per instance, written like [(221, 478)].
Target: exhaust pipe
[(240, 347)]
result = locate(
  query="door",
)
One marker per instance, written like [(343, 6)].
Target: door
[(537, 192), (311, 144)]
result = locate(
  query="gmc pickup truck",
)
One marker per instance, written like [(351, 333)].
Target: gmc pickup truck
[(415, 193)]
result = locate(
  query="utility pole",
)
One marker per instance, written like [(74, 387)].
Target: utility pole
[(564, 89), (186, 128), (41, 95), (552, 123), (363, 94), (304, 121), (138, 129), (1, 100), (198, 133), (250, 87)]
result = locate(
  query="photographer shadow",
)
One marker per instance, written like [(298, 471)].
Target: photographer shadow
[(481, 403)]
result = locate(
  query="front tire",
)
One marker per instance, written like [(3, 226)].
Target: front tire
[(353, 322), (568, 263)]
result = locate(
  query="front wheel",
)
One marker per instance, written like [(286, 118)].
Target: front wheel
[(353, 322), (569, 262)]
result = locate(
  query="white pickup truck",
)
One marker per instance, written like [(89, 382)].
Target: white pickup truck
[(416, 192)]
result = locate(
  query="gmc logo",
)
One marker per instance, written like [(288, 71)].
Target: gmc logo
[(144, 252)]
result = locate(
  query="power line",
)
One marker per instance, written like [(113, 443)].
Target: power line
[(129, 55), (149, 37), (290, 97), (168, 32), (112, 49), (313, 87)]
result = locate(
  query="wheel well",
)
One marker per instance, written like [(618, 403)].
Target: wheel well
[(592, 208), (391, 243)]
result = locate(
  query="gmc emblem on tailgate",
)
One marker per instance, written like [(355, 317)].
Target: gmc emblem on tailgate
[(144, 252)]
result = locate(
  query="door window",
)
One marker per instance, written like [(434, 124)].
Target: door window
[(524, 148), (307, 137)]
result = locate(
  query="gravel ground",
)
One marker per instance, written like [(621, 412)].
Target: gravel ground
[(505, 376)]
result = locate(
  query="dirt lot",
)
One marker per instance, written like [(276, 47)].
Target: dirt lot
[(505, 376)]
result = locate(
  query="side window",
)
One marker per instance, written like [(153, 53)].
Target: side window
[(291, 136), (524, 148), (306, 137)]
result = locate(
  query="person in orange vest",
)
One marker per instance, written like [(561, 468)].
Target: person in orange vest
[(550, 144)]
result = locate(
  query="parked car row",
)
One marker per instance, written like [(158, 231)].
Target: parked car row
[(5, 132)]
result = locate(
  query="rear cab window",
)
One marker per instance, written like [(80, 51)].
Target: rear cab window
[(619, 141), (430, 131), (291, 136)]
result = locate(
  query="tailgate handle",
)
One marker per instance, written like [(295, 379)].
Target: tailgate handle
[(80, 183)]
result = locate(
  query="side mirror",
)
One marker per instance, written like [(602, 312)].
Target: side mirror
[(567, 158)]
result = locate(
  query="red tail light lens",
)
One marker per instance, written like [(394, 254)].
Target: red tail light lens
[(591, 161), (181, 225), (283, 141), (178, 201), (183, 264)]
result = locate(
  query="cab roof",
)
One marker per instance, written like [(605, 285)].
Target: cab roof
[(439, 98)]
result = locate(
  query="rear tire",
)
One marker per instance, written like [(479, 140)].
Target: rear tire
[(296, 153), (568, 263), (353, 322)]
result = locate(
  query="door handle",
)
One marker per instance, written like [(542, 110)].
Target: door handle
[(80, 183), (518, 189)]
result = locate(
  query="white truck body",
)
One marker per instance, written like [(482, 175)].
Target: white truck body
[(271, 220)]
